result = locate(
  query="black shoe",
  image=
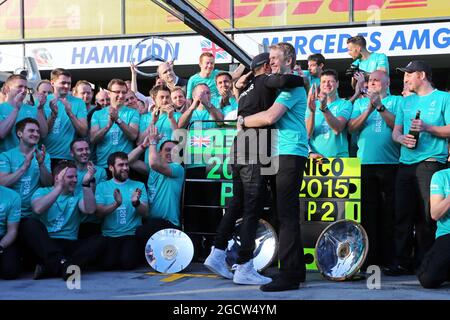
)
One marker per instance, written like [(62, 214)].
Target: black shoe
[(397, 270), (40, 272), (65, 274), (280, 284)]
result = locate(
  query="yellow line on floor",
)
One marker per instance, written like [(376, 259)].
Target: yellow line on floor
[(176, 276)]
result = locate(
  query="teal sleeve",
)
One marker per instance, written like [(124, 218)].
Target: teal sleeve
[(286, 98), (102, 177), (47, 162), (177, 170), (356, 112), (144, 197), (94, 119), (15, 212), (5, 164), (177, 116), (135, 117), (383, 61), (437, 184), (99, 195), (447, 108), (399, 115), (396, 105), (81, 110), (345, 110), (39, 193), (189, 88)]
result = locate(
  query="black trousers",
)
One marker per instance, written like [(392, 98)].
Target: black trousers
[(36, 246), (84, 252), (10, 267), (121, 253), (150, 227), (435, 267), (50, 252), (414, 230), (249, 188), (290, 249), (378, 209), (89, 229)]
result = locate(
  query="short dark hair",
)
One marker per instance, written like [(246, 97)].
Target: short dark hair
[(330, 72), (20, 125), (317, 57), (358, 40), (119, 82), (167, 141), (223, 73), (78, 140), (154, 91), (59, 72), (61, 165), (116, 155)]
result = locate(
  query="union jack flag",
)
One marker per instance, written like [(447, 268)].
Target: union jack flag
[(209, 46), (199, 141)]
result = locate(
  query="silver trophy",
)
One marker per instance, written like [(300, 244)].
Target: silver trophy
[(341, 250)]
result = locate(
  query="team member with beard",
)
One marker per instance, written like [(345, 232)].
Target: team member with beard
[(121, 203)]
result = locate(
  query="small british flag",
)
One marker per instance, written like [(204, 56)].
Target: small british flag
[(199, 141), (209, 46)]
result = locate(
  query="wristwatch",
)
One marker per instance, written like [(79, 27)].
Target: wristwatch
[(381, 108), (241, 121), (324, 108), (119, 121), (88, 185)]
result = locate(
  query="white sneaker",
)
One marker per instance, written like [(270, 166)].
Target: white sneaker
[(247, 274), (217, 264)]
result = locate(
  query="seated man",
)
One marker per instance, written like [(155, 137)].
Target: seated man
[(60, 208), (165, 183), (122, 203), (9, 225), (435, 268)]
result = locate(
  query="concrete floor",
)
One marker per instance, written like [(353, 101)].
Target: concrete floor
[(197, 283)]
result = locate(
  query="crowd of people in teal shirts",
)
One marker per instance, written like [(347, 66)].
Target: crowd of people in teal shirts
[(87, 180)]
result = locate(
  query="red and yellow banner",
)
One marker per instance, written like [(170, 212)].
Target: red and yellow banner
[(60, 18), (75, 18)]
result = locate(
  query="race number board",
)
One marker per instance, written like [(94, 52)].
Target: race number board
[(331, 191)]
